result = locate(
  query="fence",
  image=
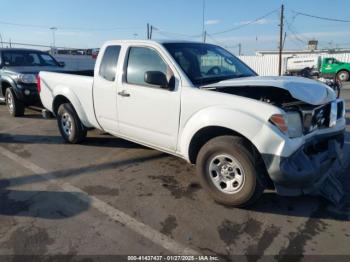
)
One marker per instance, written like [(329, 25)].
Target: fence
[(73, 62), (267, 65), (77, 62)]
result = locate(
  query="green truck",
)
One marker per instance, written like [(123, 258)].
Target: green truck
[(325, 67)]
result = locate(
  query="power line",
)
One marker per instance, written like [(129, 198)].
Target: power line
[(170, 34), (321, 17), (67, 28), (215, 40), (40, 45), (246, 24), (220, 43), (295, 34)]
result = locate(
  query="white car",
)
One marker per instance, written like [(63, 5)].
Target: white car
[(197, 101)]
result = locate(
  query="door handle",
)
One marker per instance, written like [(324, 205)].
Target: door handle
[(124, 94)]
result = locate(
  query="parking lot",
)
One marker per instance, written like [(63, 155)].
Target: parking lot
[(111, 197)]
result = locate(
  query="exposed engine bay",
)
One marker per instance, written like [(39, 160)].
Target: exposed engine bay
[(269, 94), (313, 117)]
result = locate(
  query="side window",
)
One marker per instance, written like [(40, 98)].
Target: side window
[(141, 60), (48, 60), (108, 68)]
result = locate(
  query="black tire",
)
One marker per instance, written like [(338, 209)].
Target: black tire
[(343, 76), (252, 187), (16, 108), (72, 133)]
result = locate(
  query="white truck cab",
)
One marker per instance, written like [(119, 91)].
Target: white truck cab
[(197, 101)]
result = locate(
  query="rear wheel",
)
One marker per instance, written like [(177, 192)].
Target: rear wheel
[(228, 171), (343, 76), (16, 108), (69, 124)]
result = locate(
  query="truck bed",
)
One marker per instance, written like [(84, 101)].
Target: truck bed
[(73, 85), (78, 72)]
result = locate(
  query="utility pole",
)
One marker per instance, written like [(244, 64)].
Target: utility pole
[(147, 30), (205, 36), (281, 41), (53, 29), (203, 23), (151, 32), (152, 28), (239, 49)]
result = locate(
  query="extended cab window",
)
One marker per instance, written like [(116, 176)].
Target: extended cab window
[(141, 60), (108, 68)]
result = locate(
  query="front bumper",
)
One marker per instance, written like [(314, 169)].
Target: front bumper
[(306, 170), (28, 94)]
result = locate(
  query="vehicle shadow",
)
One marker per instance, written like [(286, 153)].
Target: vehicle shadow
[(53, 204), (34, 116), (98, 141), (42, 204), (303, 206)]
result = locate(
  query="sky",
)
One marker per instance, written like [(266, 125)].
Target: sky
[(88, 23)]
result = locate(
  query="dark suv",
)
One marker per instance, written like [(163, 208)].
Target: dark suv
[(18, 72)]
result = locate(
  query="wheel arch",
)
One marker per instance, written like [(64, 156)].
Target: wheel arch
[(202, 136), (58, 101), (6, 83), (66, 96)]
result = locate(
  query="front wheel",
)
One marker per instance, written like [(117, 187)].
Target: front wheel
[(227, 169), (15, 107), (343, 76), (69, 124)]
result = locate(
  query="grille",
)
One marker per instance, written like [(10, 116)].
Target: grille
[(317, 118), (340, 110)]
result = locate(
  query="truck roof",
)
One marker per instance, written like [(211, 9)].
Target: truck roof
[(19, 49), (111, 42)]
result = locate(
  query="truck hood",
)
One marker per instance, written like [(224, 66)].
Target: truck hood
[(303, 89)]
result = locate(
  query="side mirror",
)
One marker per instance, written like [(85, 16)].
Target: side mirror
[(61, 64), (156, 78)]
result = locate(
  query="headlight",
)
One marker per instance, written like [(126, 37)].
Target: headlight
[(290, 124), (27, 78), (295, 127)]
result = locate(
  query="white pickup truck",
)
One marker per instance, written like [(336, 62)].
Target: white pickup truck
[(244, 133)]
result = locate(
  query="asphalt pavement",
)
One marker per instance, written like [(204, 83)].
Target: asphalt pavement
[(112, 197)]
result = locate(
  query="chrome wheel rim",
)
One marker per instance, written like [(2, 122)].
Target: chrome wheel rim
[(67, 124), (9, 101), (226, 173)]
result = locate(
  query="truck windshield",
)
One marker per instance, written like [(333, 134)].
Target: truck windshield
[(27, 58), (205, 63)]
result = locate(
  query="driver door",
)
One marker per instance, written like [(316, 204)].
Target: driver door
[(146, 113)]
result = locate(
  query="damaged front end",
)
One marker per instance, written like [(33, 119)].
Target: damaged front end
[(312, 169), (312, 166)]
